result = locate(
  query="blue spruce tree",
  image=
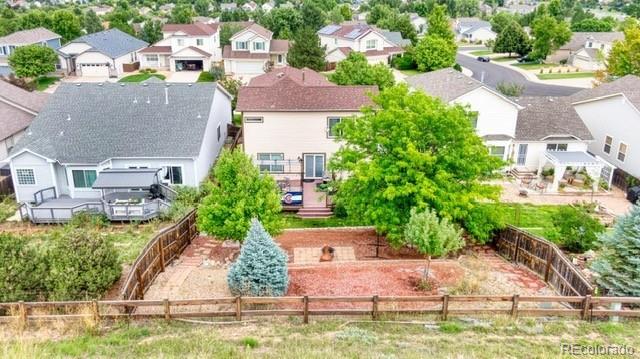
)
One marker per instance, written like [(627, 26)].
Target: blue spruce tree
[(618, 267), (261, 268)]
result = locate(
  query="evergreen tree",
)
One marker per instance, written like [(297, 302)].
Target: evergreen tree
[(261, 267), (201, 7), (91, 22), (439, 24), (618, 266), (438, 49), (312, 15), (512, 39), (306, 50)]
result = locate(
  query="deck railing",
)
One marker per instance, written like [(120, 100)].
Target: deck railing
[(44, 194), (58, 214)]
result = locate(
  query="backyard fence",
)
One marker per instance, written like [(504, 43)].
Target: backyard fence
[(6, 185), (544, 258), (444, 306), (161, 250)]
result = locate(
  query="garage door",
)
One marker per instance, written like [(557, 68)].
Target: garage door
[(94, 70), (250, 67)]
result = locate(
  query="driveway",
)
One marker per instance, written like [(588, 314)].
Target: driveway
[(492, 75), (183, 76)]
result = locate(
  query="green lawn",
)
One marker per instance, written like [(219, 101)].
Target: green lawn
[(489, 337), (533, 66), (481, 52), (140, 77), (43, 82), (565, 75), (206, 76)]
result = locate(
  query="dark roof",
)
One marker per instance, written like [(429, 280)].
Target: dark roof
[(195, 29), (287, 93), (126, 178), (546, 116), (447, 84), (18, 108), (112, 42), (92, 122), (628, 85), (31, 36), (304, 76)]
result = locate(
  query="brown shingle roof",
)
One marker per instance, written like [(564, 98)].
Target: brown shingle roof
[(195, 29), (17, 107), (156, 50), (31, 36), (304, 76), (287, 93), (279, 46), (447, 84), (227, 53)]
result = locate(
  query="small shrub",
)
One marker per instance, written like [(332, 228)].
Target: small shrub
[(451, 327), (8, 207), (86, 219), (217, 73), (404, 62), (469, 285), (22, 270), (457, 67), (424, 285), (354, 334), (249, 342), (510, 89), (574, 229)]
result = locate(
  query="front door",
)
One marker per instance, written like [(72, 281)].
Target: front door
[(314, 165), (522, 154)]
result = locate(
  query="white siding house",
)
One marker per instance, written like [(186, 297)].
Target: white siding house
[(340, 40)]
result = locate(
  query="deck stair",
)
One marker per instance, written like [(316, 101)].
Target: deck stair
[(522, 173), (315, 212)]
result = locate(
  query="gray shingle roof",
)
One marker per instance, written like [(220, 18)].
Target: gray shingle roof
[(545, 116), (628, 85), (90, 123), (112, 42), (31, 36), (447, 84), (578, 39)]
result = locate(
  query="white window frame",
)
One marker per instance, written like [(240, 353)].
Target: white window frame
[(329, 135), (33, 172), (371, 41), (610, 144), (269, 167), (180, 42), (256, 47), (85, 178), (556, 145), (165, 168), (499, 155), (624, 154), (199, 42), (243, 47)]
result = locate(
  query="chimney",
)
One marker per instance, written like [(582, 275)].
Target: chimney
[(166, 96)]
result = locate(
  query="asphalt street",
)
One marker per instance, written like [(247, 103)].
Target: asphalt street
[(492, 75)]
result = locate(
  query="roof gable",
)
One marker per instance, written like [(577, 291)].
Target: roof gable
[(112, 42)]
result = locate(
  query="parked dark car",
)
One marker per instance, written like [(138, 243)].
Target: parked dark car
[(633, 194), (483, 58)]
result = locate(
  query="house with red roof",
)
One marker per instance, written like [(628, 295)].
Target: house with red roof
[(252, 52), (184, 47), (289, 121)]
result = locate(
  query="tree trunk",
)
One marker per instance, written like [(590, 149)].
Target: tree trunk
[(426, 272)]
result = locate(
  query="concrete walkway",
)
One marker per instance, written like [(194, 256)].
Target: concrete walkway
[(183, 76)]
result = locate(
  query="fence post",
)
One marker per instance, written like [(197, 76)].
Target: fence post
[(515, 250), (305, 316), (238, 308), (586, 305), (96, 312), (22, 313), (140, 292), (514, 305), (161, 251), (374, 312), (547, 270), (445, 306), (167, 309)]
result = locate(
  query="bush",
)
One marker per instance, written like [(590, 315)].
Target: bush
[(404, 62), (261, 267), (187, 198), (217, 73), (510, 89), (22, 270), (574, 229), (81, 266), (86, 219), (8, 207)]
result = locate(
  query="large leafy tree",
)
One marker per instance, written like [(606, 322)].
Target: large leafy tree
[(592, 25), (306, 50), (467, 8), (227, 31), (549, 34), (391, 19), (182, 14), (512, 39), (439, 23), (618, 266), (238, 193), (312, 15), (356, 70), (283, 22), (91, 22), (33, 60), (438, 49), (500, 20), (201, 7), (624, 57), (414, 151), (261, 267), (34, 18), (151, 31), (66, 24)]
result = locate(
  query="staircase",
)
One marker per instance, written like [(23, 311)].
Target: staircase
[(522, 173), (315, 212)]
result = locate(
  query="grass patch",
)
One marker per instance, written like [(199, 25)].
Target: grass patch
[(206, 76), (503, 59), (8, 207), (565, 75), (411, 72), (43, 82), (533, 66), (292, 221), (481, 52), (140, 77)]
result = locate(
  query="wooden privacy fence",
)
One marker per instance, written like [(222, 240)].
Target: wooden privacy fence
[(544, 258), (161, 250), (6, 185), (444, 306)]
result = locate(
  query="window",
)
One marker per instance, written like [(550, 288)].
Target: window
[(589, 44), (335, 41), (83, 178), (26, 176), (172, 174), (152, 58), (474, 119), (269, 162), (241, 45), (258, 46), (199, 42), (253, 120), (3, 50), (622, 151), (371, 44), (280, 58), (496, 151), (332, 131), (180, 42), (608, 140), (219, 133), (556, 146)]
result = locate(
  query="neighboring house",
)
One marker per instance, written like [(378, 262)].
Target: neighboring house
[(143, 137), (17, 109), (250, 6), (521, 131), (473, 30), (395, 37), (518, 9), (289, 117), (268, 6), (419, 23), (586, 50), (252, 52), (184, 47), (228, 6), (102, 10), (167, 8), (107, 53), (611, 111), (9, 43), (340, 40)]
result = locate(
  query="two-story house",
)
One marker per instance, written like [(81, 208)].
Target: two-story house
[(252, 52), (472, 29), (340, 40), (586, 50), (39, 36), (289, 117), (184, 47)]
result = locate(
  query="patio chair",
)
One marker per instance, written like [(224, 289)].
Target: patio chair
[(541, 186)]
